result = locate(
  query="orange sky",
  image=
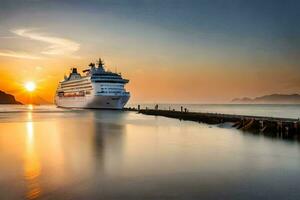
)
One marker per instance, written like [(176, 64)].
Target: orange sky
[(212, 53), (151, 82)]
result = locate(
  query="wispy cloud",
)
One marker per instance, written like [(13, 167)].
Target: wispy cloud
[(57, 45), (15, 54)]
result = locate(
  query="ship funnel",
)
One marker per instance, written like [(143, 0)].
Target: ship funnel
[(74, 70)]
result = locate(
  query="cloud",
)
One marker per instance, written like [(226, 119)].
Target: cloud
[(15, 54), (57, 45)]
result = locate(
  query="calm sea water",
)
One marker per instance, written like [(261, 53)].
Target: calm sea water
[(51, 153), (265, 110)]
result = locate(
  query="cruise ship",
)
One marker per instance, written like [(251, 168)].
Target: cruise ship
[(97, 88)]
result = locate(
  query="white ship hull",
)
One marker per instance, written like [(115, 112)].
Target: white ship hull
[(99, 102), (97, 89)]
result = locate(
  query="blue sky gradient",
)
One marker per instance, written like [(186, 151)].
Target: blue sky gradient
[(253, 44)]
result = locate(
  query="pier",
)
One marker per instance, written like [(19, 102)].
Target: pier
[(272, 126)]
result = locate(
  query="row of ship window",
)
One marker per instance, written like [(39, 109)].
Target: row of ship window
[(75, 82), (97, 79), (75, 88), (88, 85), (102, 89), (73, 94), (111, 88), (85, 84), (109, 92), (82, 93)]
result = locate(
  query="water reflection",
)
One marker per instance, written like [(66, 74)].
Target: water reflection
[(108, 140), (32, 165), (93, 154), (30, 107)]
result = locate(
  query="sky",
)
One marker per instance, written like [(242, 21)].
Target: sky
[(179, 51)]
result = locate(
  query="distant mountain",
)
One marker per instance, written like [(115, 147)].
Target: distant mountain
[(273, 98), (7, 98)]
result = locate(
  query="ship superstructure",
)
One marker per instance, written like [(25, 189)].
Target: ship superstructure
[(97, 88)]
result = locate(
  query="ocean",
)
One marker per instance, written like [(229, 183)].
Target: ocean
[(52, 153)]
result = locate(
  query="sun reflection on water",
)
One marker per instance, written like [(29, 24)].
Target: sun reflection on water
[(30, 107), (32, 166)]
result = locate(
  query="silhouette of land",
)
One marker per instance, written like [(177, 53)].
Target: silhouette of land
[(273, 98), (8, 98)]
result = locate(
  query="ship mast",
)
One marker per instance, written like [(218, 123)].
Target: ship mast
[(100, 65)]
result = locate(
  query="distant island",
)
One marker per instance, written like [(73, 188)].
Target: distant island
[(8, 98), (269, 99)]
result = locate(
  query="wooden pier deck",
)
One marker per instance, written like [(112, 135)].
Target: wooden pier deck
[(284, 127)]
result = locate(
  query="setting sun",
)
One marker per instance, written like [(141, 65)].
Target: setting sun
[(30, 86)]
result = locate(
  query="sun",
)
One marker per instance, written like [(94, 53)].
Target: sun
[(30, 86)]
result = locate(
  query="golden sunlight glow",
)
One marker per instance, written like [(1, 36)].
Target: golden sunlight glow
[(32, 166), (30, 86)]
